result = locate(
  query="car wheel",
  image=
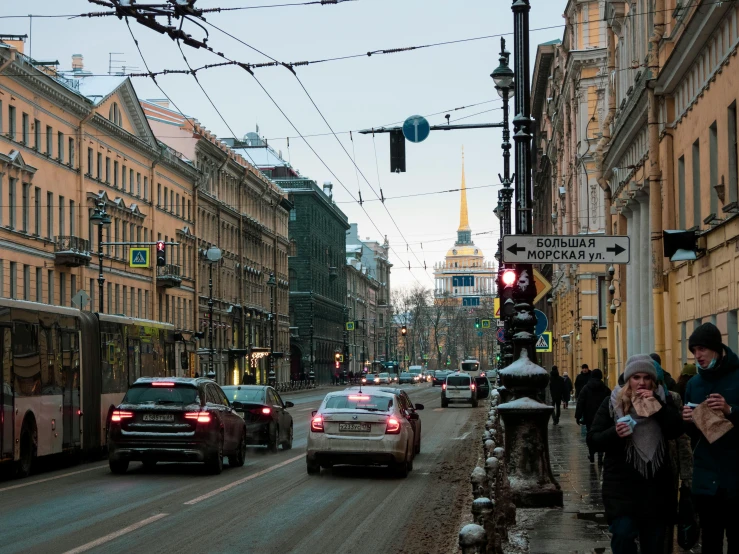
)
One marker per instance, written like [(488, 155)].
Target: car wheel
[(239, 457), (288, 444), (401, 469), (149, 464), (215, 463), (28, 442), (274, 440), (119, 467), (444, 403), (313, 468)]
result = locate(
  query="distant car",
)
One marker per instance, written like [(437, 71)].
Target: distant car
[(383, 379), (267, 419), (406, 377), (417, 372), (439, 376), (409, 408), (459, 387), (368, 428), (368, 379), (175, 419)]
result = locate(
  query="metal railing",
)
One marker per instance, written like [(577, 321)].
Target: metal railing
[(68, 243), (169, 270)]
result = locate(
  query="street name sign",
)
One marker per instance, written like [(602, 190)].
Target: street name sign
[(138, 257), (416, 128), (579, 249)]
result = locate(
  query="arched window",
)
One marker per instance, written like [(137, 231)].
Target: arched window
[(115, 114)]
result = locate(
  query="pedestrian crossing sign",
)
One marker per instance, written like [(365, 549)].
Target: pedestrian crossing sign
[(350, 326), (496, 308), (138, 257), (486, 324), (544, 342)]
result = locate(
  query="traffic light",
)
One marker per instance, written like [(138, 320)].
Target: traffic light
[(508, 279), (477, 323), (338, 357), (337, 365), (161, 253), (397, 151), (404, 330)]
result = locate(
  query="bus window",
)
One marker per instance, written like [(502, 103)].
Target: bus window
[(112, 367), (6, 395), (26, 360)]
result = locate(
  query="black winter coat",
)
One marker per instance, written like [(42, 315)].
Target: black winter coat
[(590, 399), (625, 491), (566, 388), (556, 387), (580, 381)]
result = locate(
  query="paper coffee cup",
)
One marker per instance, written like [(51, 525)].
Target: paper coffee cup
[(629, 421)]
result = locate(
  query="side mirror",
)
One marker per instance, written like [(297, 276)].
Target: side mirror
[(313, 413), (414, 416), (419, 406), (289, 404), (237, 406)]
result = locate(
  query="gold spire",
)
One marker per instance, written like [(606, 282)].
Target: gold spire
[(464, 223)]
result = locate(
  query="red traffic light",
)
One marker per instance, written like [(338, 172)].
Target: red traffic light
[(160, 245), (509, 277)]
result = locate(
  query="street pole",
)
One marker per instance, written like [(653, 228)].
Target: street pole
[(211, 372), (101, 278), (271, 377), (311, 374), (344, 346)]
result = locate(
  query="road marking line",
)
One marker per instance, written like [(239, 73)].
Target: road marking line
[(12, 487), (467, 434), (115, 535), (244, 480), (438, 409)]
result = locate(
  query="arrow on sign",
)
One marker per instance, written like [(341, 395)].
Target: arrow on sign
[(515, 249), (616, 249)]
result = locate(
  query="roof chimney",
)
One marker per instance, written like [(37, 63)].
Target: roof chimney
[(78, 62), (328, 186)]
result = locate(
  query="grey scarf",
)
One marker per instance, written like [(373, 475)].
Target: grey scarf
[(646, 444)]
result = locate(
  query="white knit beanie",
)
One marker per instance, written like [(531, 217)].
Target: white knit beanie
[(641, 363)]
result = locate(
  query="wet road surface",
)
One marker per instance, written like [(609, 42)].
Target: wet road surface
[(269, 505)]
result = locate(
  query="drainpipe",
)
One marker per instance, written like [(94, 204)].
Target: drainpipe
[(655, 183)]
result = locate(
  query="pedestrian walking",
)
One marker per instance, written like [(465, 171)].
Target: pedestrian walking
[(663, 375), (556, 386), (687, 374), (590, 399), (637, 475), (566, 391), (715, 455), (581, 380)]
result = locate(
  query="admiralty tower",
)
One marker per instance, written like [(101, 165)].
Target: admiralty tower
[(464, 277)]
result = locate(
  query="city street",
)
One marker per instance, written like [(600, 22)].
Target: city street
[(269, 505)]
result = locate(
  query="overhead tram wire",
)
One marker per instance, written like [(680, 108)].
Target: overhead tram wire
[(432, 193), (321, 2)]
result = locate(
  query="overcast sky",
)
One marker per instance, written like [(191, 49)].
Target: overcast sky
[(352, 94)]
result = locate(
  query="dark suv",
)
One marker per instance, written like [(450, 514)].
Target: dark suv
[(175, 419)]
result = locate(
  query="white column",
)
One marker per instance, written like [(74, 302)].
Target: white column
[(645, 287), (632, 290)]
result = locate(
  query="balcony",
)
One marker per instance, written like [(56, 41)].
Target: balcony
[(72, 251), (168, 276)]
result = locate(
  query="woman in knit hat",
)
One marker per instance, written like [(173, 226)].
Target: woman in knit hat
[(637, 476)]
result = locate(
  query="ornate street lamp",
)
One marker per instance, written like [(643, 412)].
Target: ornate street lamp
[(100, 218), (212, 256), (271, 283)]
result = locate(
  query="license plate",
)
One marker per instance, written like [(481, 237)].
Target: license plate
[(158, 417), (355, 427), (454, 393)]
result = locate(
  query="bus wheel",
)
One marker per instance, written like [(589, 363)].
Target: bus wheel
[(28, 444)]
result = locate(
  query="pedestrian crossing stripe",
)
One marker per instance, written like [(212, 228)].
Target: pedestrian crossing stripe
[(544, 342), (138, 257)]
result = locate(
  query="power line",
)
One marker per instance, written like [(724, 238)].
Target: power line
[(319, 2), (385, 198)]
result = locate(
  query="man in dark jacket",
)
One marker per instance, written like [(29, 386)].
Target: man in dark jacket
[(668, 379), (566, 391), (556, 387), (588, 402), (715, 466), (582, 380)]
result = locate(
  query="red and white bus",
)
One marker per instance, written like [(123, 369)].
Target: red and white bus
[(63, 370)]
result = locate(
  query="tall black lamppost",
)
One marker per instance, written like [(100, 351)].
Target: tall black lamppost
[(100, 218), (271, 377), (311, 373), (212, 256), (504, 84)]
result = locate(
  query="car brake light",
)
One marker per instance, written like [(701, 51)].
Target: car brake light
[(201, 417), (316, 424), (119, 415), (393, 426), (162, 384), (472, 386), (443, 386), (358, 397), (266, 411)]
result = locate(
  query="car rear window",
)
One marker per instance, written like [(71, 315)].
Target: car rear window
[(360, 401), (458, 381), (234, 394), (384, 375), (150, 394)]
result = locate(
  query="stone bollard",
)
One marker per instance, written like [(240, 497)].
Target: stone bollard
[(499, 452), (489, 447), (483, 512), (472, 539), (492, 465), (477, 478), (486, 436)]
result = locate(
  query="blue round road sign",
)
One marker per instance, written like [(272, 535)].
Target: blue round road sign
[(541, 322), (416, 128), (501, 334)]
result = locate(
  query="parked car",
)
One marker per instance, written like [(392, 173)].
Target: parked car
[(406, 377), (459, 387), (409, 408), (175, 419), (367, 428), (267, 420)]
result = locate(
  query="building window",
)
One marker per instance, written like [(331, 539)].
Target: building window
[(37, 135), (26, 201), (72, 228), (146, 188), (26, 282), (73, 287), (293, 215), (100, 167), (681, 191), (603, 305), (177, 206), (39, 284), (61, 216), (123, 177), (89, 161), (107, 169), (116, 236), (115, 175), (37, 212), (125, 299), (188, 210), (25, 129), (11, 122), (49, 141), (159, 195), (70, 152), (146, 304), (114, 114), (62, 289), (130, 180), (92, 295), (60, 146), (110, 298), (166, 198), (50, 287), (11, 203), (117, 299), (697, 184), (49, 215)]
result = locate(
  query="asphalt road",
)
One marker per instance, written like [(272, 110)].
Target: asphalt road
[(269, 505)]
